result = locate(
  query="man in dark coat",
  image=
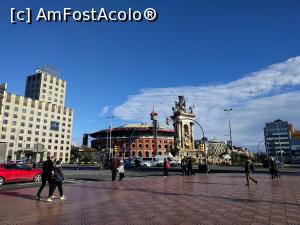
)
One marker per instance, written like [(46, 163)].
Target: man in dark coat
[(183, 166), (47, 175), (114, 168), (189, 166), (248, 171)]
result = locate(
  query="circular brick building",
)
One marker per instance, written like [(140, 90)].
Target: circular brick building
[(134, 140)]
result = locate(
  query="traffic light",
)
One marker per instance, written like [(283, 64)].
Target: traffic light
[(202, 147), (115, 148), (167, 120)]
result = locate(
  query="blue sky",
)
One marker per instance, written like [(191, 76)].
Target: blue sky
[(193, 48)]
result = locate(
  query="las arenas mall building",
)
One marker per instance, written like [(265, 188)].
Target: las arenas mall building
[(37, 125)]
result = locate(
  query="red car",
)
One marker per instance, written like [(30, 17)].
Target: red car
[(15, 172)]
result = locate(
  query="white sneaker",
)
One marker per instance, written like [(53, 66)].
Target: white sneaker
[(49, 199), (53, 196), (63, 197)]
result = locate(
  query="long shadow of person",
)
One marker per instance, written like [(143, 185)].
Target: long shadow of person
[(17, 194)]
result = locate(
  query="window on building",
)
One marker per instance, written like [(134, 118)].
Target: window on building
[(3, 136), (140, 154), (20, 145), (6, 114), (13, 130), (27, 146), (28, 138), (14, 123), (16, 109), (11, 145), (7, 107), (5, 121), (147, 154)]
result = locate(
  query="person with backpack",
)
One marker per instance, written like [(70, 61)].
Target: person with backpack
[(166, 166), (249, 168), (58, 179), (183, 166), (47, 174)]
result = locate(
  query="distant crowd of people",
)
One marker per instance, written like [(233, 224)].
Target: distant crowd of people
[(53, 173)]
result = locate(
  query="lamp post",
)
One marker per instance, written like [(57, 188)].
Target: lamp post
[(204, 139), (110, 130), (228, 110), (258, 146)]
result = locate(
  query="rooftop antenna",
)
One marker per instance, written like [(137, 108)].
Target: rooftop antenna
[(51, 70)]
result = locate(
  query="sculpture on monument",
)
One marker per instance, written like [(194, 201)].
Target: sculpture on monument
[(183, 122)]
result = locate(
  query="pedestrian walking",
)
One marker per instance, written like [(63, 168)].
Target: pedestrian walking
[(166, 167), (114, 168), (58, 179), (249, 167), (46, 176), (183, 166), (121, 170), (272, 167), (189, 166)]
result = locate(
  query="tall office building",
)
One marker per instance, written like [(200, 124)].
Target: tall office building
[(37, 125), (278, 140)]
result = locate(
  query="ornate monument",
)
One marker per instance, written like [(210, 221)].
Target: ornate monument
[(183, 122)]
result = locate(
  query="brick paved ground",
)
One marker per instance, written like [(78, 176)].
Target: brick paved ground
[(214, 199)]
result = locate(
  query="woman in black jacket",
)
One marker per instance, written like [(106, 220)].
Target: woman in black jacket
[(58, 178)]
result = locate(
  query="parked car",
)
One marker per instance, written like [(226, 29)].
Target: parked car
[(146, 163), (16, 172)]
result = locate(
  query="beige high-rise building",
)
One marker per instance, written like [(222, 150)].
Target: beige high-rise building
[(37, 125)]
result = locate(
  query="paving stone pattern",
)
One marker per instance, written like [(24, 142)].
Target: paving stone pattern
[(221, 199)]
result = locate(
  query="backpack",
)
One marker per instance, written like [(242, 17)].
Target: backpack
[(58, 175), (168, 165)]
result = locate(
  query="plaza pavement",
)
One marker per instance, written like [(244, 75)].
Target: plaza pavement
[(222, 199)]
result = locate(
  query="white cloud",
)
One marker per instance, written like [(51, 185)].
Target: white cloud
[(77, 141), (257, 98), (104, 110)]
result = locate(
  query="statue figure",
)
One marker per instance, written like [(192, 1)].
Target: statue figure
[(180, 105)]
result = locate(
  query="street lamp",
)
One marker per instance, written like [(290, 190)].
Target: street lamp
[(228, 110), (110, 129), (258, 146), (204, 141)]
